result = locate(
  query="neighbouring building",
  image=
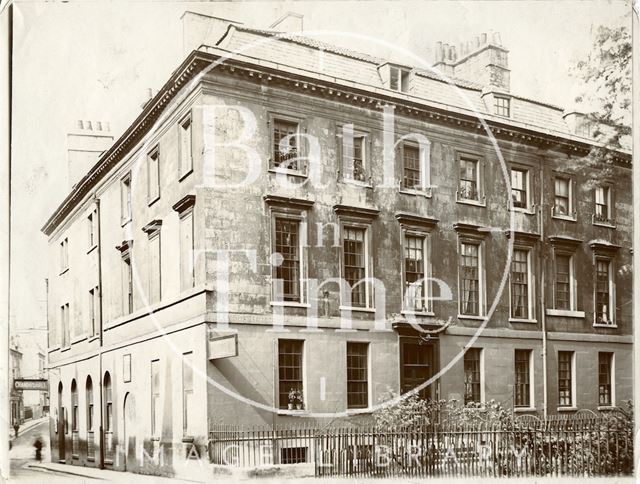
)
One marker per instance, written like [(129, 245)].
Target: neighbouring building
[(36, 402), (15, 371), (149, 349)]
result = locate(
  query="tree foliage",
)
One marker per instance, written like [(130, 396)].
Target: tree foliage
[(606, 94)]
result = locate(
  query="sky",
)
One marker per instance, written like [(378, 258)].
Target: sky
[(95, 60)]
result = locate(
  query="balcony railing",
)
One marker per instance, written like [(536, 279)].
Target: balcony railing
[(600, 219)]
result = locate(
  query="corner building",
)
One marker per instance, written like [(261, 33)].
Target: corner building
[(149, 349)]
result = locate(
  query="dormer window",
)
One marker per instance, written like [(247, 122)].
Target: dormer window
[(584, 128), (398, 79), (502, 106)]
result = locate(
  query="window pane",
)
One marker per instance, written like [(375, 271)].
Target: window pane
[(520, 284), (605, 378), (354, 264), (468, 189), (522, 378), (414, 270), (563, 286), (472, 375), (604, 314), (285, 144), (469, 279), (411, 165), (289, 369), (357, 375), (565, 375), (288, 246)]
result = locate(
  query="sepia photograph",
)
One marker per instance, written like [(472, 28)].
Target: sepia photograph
[(322, 241)]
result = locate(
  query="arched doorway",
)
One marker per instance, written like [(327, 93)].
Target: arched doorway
[(129, 431), (60, 425)]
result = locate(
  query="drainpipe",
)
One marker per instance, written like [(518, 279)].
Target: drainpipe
[(543, 305), (101, 390)]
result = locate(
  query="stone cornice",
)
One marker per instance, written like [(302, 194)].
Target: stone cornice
[(471, 230), (348, 211), (520, 236), (414, 220), (564, 241), (288, 202), (152, 227), (184, 203)]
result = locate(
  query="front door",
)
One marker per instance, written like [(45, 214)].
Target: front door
[(417, 365)]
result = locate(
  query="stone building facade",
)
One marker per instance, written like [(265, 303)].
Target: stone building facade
[(493, 269)]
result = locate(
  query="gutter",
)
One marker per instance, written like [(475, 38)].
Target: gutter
[(543, 304), (100, 328)]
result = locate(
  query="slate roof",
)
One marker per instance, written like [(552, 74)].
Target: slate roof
[(313, 55)]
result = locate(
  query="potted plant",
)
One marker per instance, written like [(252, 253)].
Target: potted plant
[(295, 399)]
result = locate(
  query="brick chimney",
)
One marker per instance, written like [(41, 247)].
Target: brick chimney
[(484, 61)]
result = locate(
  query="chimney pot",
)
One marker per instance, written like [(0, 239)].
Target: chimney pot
[(439, 51), (453, 53), (484, 38)]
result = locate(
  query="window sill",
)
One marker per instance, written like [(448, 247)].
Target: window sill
[(153, 200), (185, 174), (525, 211), (290, 304), (66, 348), (524, 409), (187, 439), (356, 183), (518, 320), (604, 224), (75, 456), (293, 413), (54, 348), (124, 222), (155, 439), (425, 192), (471, 317), (357, 309), (607, 408), (565, 313), (108, 462), (79, 339), (359, 411), (64, 271), (92, 248), (91, 459), (564, 217), (283, 171), (598, 325), (93, 338), (567, 409), (474, 203)]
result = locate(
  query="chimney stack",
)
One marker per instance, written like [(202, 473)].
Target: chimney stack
[(85, 143), (483, 60)]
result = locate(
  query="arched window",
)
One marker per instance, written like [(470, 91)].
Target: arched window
[(108, 403), (74, 406), (89, 392)]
